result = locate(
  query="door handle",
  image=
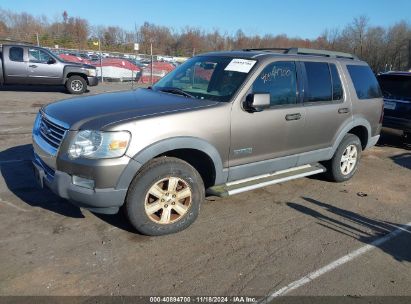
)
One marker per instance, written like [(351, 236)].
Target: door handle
[(343, 110), (295, 116), (32, 66)]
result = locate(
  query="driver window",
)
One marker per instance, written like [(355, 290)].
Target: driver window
[(279, 79), (38, 56), (196, 77)]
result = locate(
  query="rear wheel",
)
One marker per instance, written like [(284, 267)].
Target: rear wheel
[(165, 197), (345, 161), (76, 85)]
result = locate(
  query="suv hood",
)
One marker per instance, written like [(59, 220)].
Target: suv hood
[(95, 112)]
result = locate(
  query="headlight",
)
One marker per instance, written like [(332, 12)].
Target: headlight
[(97, 144), (91, 72)]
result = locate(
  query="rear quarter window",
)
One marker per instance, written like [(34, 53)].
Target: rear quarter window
[(16, 54), (365, 84)]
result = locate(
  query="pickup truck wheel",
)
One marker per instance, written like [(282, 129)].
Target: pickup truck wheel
[(164, 197), (76, 85), (345, 161)]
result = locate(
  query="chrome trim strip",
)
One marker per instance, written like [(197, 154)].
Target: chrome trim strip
[(240, 181), (48, 141), (272, 182), (44, 144), (57, 122), (398, 100)]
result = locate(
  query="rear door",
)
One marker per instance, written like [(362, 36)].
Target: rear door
[(43, 68), (326, 106), (15, 64)]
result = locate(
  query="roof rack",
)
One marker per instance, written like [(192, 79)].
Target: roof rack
[(306, 51), (284, 50)]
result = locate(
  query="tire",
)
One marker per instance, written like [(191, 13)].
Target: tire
[(152, 204), (76, 85), (344, 163)]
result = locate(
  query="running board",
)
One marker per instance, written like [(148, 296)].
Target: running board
[(260, 181)]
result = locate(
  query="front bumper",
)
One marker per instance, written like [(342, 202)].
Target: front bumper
[(92, 81), (99, 185), (106, 200), (397, 123)]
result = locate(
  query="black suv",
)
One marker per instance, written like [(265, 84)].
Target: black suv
[(396, 88)]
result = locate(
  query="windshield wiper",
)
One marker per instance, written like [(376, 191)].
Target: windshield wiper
[(176, 91)]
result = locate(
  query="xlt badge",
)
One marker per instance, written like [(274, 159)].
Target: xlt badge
[(243, 151)]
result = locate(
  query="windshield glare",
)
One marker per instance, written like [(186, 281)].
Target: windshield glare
[(205, 77)]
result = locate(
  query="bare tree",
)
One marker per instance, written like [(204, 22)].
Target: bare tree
[(379, 46)]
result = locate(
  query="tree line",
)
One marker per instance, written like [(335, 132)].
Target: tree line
[(382, 47)]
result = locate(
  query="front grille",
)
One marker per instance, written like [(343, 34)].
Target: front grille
[(52, 133)]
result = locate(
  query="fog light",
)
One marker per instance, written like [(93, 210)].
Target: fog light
[(82, 182)]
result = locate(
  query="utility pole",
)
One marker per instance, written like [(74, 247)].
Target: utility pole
[(37, 37), (151, 54), (136, 49), (101, 60), (409, 54)]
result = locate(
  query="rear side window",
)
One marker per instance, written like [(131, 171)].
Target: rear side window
[(16, 54), (364, 81), (337, 86), (279, 79), (318, 82)]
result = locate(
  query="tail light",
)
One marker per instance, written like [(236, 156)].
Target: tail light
[(382, 113)]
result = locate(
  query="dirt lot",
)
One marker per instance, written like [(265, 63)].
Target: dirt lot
[(250, 244)]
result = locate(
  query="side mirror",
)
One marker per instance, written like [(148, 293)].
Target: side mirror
[(51, 61), (257, 102)]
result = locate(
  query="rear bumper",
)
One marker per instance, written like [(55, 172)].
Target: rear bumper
[(373, 141), (92, 81), (397, 123)]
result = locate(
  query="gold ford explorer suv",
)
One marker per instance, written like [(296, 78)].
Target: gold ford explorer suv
[(222, 123)]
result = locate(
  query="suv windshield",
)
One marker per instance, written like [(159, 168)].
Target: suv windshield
[(396, 86), (207, 77)]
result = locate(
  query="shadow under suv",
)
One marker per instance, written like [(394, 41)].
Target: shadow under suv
[(222, 123)]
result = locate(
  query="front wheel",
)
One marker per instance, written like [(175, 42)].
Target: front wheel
[(76, 85), (345, 161), (164, 197)]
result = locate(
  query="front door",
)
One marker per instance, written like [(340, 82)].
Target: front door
[(43, 68), (267, 141)]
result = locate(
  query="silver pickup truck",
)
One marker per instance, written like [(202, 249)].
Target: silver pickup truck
[(26, 64)]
